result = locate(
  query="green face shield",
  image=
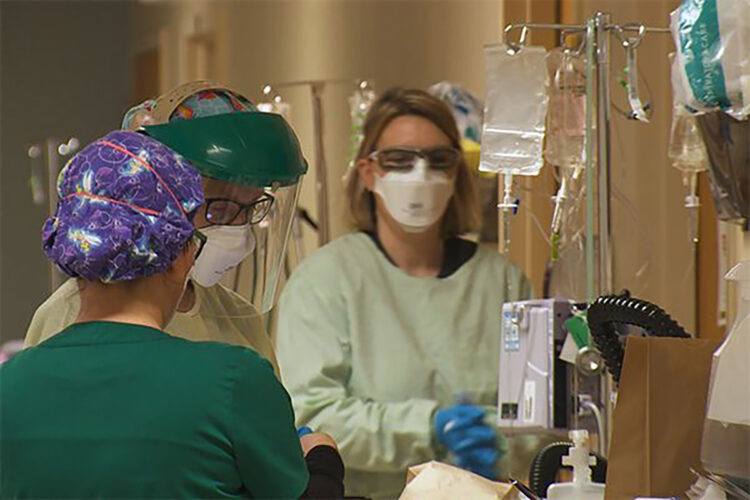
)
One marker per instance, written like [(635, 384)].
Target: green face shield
[(251, 164), (251, 148)]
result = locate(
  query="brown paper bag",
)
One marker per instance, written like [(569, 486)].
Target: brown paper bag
[(658, 418), (439, 481)]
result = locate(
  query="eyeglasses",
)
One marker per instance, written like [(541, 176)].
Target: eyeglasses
[(440, 158), (199, 239), (223, 212)]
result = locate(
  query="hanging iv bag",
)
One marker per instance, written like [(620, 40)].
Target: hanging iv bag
[(565, 144), (712, 38), (514, 111)]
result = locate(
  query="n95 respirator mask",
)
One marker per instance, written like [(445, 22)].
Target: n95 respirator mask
[(415, 199), (225, 248)]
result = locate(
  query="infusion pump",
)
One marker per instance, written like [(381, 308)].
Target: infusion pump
[(537, 390)]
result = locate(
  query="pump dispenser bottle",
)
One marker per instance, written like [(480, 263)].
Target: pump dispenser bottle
[(582, 488)]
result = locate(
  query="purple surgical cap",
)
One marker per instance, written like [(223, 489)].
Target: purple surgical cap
[(125, 209)]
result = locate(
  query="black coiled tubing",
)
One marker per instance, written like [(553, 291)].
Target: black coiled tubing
[(610, 310)]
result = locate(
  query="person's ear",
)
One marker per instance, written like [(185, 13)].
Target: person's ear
[(368, 169), (182, 264)]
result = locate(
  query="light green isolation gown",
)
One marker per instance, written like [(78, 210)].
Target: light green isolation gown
[(369, 353)]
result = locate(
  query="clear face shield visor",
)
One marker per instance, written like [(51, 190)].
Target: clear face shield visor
[(247, 230), (251, 165)]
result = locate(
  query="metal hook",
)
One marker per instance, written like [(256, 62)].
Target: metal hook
[(577, 51), (630, 42), (515, 47)]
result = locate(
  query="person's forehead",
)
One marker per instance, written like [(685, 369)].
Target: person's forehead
[(412, 131), (242, 193)]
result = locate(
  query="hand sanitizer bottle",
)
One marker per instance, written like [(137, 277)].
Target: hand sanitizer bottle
[(582, 488)]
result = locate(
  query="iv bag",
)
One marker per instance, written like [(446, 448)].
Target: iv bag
[(686, 148), (514, 110), (565, 144), (713, 55)]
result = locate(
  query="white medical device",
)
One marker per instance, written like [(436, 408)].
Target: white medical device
[(537, 390), (532, 333)]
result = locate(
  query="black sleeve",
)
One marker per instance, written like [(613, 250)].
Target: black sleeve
[(326, 473)]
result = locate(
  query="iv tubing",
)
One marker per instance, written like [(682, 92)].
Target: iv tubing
[(590, 270), (594, 409)]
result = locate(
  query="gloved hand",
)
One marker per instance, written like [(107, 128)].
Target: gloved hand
[(461, 429)]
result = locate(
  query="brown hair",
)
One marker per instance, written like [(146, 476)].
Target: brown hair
[(462, 214)]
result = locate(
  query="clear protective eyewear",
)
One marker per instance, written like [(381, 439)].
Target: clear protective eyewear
[(268, 212), (402, 158), (226, 212), (199, 240)]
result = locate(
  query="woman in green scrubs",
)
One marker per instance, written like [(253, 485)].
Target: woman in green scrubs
[(114, 407)]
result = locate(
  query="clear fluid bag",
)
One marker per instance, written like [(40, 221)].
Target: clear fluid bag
[(565, 145), (515, 110)]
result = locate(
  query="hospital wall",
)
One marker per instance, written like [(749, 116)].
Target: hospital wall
[(65, 72)]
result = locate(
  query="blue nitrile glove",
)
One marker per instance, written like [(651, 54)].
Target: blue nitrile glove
[(461, 429), (304, 431)]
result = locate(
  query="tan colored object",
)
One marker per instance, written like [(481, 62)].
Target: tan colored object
[(165, 104), (439, 481), (658, 420)]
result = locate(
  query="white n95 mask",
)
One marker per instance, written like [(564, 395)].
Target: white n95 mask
[(415, 199), (225, 248)]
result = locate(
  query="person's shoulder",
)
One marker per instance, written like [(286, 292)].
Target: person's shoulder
[(490, 262), (343, 253), (54, 314), (213, 353), (490, 259), (60, 298), (491, 256), (345, 247)]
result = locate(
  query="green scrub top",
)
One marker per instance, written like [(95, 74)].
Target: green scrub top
[(369, 352), (117, 410)]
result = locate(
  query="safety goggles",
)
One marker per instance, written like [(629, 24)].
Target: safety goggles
[(224, 212), (399, 159), (199, 240)]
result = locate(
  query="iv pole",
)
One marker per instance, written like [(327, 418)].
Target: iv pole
[(597, 32), (321, 171)]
